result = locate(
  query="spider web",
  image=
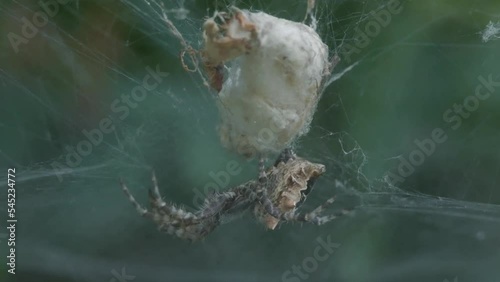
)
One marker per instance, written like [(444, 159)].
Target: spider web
[(440, 222)]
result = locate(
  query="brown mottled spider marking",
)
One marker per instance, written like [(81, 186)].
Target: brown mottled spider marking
[(274, 197)]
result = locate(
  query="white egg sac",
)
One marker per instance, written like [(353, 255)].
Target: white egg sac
[(268, 72)]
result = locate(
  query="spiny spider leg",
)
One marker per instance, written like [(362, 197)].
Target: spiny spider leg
[(268, 205), (182, 223), (261, 193), (286, 155), (314, 216), (157, 202), (262, 170), (142, 211), (155, 196), (217, 204), (320, 208), (156, 191)]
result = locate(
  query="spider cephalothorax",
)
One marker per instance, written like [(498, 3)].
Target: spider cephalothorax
[(290, 181), (274, 197)]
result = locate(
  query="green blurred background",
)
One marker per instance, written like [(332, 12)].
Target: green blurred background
[(442, 223)]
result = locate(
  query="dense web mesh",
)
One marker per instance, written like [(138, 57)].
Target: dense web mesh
[(402, 66)]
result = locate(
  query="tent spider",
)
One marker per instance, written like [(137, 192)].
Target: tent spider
[(274, 197)]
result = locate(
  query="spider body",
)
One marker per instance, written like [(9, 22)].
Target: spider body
[(274, 197)]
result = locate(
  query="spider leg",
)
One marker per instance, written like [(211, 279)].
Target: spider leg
[(315, 215), (266, 202), (286, 155), (156, 201), (262, 170), (262, 197), (218, 204), (155, 197), (179, 222), (261, 193), (142, 211)]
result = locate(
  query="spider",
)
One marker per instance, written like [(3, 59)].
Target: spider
[(274, 197)]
